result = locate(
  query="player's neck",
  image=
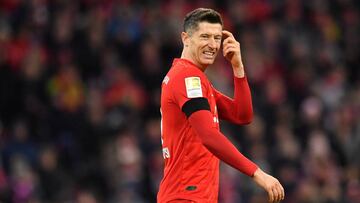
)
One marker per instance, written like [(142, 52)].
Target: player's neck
[(188, 58)]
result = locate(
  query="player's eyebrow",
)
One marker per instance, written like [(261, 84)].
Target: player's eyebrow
[(208, 35)]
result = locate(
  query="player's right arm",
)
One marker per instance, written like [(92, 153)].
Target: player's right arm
[(239, 109)]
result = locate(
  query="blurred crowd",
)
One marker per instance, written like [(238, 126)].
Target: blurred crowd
[(80, 89)]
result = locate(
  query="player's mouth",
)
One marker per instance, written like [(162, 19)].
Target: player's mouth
[(209, 54)]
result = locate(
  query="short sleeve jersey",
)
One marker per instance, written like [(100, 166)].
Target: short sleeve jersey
[(191, 171)]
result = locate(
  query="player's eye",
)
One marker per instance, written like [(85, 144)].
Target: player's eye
[(218, 38), (204, 36)]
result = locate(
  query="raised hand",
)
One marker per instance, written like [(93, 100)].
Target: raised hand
[(231, 51)]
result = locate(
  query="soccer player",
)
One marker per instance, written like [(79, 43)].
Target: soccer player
[(191, 107)]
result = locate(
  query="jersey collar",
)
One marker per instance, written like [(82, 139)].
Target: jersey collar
[(186, 63)]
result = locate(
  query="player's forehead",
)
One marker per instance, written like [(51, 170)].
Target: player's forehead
[(209, 28)]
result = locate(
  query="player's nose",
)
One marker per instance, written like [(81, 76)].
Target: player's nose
[(212, 43)]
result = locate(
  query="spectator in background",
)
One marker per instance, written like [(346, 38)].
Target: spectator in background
[(54, 183), (21, 146)]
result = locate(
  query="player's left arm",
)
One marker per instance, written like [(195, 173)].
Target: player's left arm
[(238, 110)]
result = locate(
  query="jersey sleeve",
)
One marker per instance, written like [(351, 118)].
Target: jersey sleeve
[(218, 144), (187, 87), (239, 109)]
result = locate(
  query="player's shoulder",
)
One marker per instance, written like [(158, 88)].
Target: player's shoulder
[(180, 73)]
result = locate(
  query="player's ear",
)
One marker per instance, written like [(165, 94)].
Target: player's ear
[(185, 38)]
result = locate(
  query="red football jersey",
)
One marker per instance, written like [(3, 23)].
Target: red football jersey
[(191, 171)]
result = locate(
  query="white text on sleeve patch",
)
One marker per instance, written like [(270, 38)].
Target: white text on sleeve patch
[(193, 87)]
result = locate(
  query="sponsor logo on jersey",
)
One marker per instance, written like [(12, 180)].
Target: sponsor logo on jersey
[(193, 87)]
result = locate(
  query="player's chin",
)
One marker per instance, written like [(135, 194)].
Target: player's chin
[(208, 61)]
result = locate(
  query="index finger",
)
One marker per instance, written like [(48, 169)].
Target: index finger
[(227, 33)]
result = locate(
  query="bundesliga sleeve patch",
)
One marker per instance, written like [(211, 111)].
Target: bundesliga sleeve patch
[(193, 87)]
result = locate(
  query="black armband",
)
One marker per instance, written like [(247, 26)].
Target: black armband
[(194, 105)]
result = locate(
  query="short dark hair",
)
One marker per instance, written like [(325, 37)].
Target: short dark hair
[(193, 18)]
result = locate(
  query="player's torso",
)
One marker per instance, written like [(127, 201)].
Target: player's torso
[(190, 169)]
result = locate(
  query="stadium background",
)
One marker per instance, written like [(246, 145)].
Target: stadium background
[(80, 86)]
